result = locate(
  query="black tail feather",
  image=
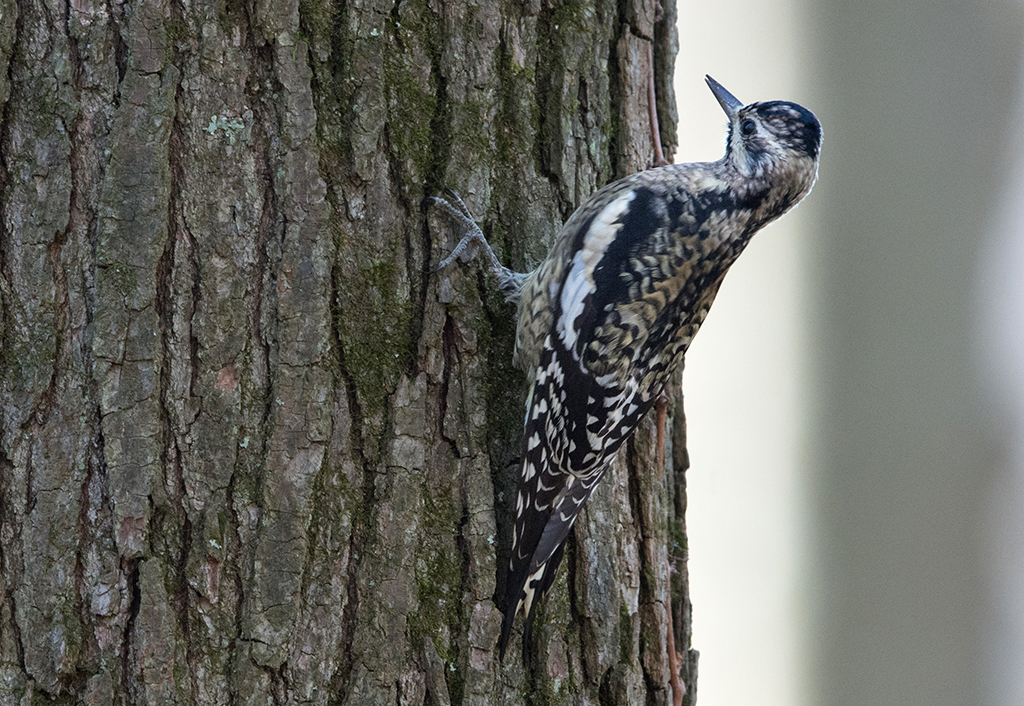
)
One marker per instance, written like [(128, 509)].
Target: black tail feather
[(506, 626), (512, 598), (550, 571)]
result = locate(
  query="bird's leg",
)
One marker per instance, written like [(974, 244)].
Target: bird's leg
[(510, 282)]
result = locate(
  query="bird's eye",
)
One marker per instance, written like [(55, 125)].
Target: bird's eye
[(748, 127)]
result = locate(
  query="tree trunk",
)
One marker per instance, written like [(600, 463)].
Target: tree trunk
[(252, 450)]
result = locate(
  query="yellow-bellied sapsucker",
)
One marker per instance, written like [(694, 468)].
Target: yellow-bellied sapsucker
[(606, 318)]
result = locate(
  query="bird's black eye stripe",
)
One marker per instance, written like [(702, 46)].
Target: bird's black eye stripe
[(748, 127)]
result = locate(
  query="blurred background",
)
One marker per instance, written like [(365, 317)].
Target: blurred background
[(855, 400)]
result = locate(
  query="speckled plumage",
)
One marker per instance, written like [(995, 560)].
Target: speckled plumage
[(608, 315)]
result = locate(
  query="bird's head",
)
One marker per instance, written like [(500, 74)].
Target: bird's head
[(771, 139)]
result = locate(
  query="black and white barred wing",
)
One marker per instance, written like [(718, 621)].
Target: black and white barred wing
[(579, 411), (549, 497)]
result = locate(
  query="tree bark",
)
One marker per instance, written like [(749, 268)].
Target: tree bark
[(252, 450)]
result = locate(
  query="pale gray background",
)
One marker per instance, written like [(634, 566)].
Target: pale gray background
[(855, 400)]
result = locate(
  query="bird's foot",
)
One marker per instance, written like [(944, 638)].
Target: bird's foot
[(509, 281)]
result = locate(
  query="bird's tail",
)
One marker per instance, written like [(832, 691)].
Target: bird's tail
[(527, 595), (531, 573)]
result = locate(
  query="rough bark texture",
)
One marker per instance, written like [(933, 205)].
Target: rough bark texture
[(252, 451)]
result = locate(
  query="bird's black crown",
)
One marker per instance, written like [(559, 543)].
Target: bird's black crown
[(792, 124)]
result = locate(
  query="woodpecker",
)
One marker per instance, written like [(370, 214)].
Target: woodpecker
[(607, 316)]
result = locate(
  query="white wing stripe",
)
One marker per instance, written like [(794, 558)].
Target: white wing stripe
[(579, 283)]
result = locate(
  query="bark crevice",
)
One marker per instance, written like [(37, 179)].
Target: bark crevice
[(288, 448)]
